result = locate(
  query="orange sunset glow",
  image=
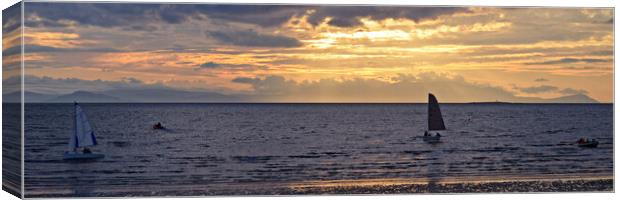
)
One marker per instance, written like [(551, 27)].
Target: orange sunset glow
[(293, 53)]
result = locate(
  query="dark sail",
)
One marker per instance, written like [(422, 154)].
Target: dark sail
[(435, 121)]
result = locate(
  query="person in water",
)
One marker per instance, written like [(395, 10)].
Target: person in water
[(425, 133), (158, 126), (86, 151), (437, 134), (585, 140)]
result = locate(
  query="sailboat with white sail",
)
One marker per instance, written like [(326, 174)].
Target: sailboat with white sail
[(435, 121), (82, 138)]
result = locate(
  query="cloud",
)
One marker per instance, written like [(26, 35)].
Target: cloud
[(11, 19), (571, 91), (33, 48), (569, 61), (209, 65), (146, 28), (347, 16), (131, 80), (549, 88), (246, 80), (49, 85), (538, 89), (127, 14), (541, 80), (251, 38), (230, 67), (262, 15), (402, 88), (603, 53), (102, 14), (270, 85)]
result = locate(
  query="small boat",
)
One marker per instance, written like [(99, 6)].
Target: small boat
[(435, 121), (82, 156), (432, 139), (587, 143), (158, 126), (82, 138)]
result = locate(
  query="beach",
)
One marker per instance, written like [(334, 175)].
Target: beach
[(586, 185), (541, 184), (503, 186)]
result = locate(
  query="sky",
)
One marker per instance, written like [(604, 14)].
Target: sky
[(320, 53)]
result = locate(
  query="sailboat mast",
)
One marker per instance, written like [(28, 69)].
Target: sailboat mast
[(75, 125)]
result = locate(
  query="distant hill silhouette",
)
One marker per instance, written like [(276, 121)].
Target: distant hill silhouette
[(169, 95), (577, 98), (163, 95), (29, 96), (83, 96)]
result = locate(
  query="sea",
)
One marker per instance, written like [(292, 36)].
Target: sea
[(233, 147)]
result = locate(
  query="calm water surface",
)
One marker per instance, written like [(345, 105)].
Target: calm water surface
[(229, 145)]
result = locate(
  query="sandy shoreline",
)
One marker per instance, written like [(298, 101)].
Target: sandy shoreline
[(372, 186), (589, 185)]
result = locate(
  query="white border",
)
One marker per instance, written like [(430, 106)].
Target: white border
[(521, 3), (23, 106)]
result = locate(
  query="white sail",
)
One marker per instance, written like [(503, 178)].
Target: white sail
[(83, 135)]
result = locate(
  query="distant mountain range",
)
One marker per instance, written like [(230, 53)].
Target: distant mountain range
[(83, 96), (180, 96), (125, 95), (30, 96), (577, 98)]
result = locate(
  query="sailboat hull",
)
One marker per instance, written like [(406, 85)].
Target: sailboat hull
[(82, 156), (431, 139), (588, 144)]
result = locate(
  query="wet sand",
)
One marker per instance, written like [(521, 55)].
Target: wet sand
[(479, 184), (369, 186), (600, 185)]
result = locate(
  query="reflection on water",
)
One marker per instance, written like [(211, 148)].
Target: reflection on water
[(235, 146)]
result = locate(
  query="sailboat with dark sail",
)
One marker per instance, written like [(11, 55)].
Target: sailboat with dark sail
[(435, 121), (83, 137)]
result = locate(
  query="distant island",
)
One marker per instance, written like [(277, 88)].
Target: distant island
[(577, 98), (491, 102)]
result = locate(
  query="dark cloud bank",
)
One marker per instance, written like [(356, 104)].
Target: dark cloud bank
[(141, 17), (11, 19), (238, 67), (570, 61), (404, 88), (541, 80), (253, 39), (127, 14)]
